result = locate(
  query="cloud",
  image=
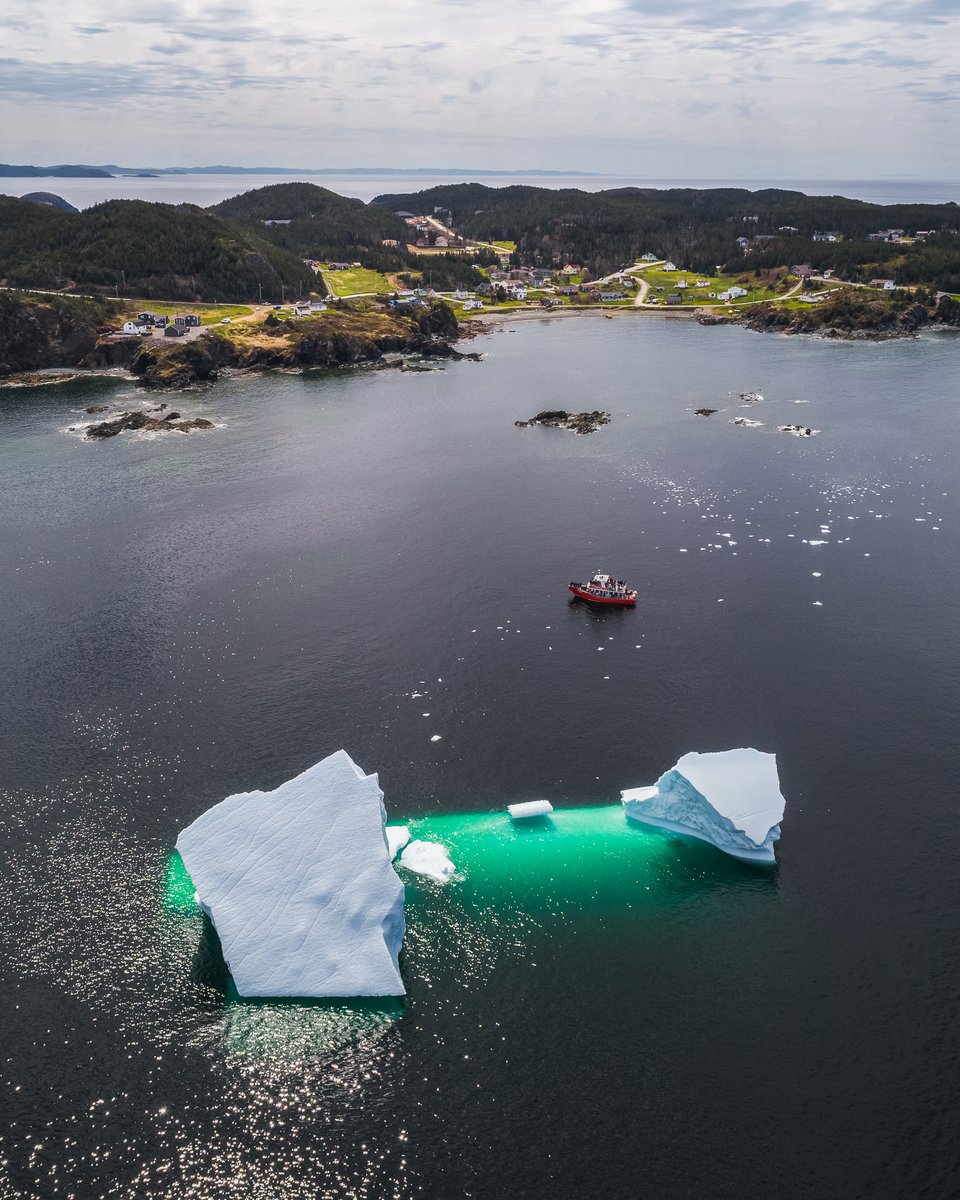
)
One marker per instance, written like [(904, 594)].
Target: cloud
[(603, 85)]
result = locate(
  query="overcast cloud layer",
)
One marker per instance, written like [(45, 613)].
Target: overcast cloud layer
[(758, 88)]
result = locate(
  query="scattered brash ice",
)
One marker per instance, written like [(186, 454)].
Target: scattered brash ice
[(299, 885), (428, 858), (731, 799)]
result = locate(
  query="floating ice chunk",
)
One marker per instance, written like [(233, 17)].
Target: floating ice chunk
[(397, 838), (428, 858), (435, 738), (299, 886), (530, 808), (731, 799)]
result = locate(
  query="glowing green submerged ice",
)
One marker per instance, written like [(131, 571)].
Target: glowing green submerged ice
[(581, 873), (576, 854)]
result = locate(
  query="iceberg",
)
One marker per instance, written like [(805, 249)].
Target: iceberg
[(730, 799), (299, 885), (428, 858)]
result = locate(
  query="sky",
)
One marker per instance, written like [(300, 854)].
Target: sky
[(670, 88)]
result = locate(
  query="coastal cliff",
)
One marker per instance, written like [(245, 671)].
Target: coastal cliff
[(55, 334), (852, 314)]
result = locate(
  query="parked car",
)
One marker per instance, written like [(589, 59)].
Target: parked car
[(225, 321)]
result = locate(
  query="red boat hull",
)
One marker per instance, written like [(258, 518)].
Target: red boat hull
[(625, 601)]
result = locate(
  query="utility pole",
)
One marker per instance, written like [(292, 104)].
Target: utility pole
[(260, 291)]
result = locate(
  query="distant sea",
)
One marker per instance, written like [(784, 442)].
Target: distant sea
[(211, 189)]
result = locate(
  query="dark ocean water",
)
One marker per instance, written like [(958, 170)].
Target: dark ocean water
[(195, 615)]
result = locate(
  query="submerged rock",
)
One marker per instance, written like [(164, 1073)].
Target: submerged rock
[(798, 430), (704, 412), (730, 799), (582, 422), (299, 886)]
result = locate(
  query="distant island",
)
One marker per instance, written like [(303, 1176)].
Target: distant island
[(9, 171), (106, 171)]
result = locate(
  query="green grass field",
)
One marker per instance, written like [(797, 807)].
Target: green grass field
[(357, 280), (667, 281), (209, 314)]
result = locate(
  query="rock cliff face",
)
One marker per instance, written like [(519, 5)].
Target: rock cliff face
[(62, 333), (343, 339), (37, 335)]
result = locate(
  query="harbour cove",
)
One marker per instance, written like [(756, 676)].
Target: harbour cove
[(379, 560)]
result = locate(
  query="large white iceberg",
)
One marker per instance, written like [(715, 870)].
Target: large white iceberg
[(731, 799), (299, 885)]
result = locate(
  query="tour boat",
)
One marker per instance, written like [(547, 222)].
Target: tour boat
[(604, 589)]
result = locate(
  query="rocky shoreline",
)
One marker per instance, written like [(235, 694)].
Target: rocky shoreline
[(848, 315), (39, 338)]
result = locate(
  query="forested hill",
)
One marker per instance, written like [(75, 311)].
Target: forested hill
[(164, 251), (697, 228), (322, 224)]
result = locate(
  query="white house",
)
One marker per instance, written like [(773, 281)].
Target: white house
[(887, 284), (648, 257), (736, 292), (669, 266), (473, 304), (133, 327), (681, 283), (460, 294)]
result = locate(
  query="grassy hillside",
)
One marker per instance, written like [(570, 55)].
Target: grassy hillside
[(175, 252)]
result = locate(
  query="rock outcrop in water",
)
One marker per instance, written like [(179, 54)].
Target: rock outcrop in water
[(143, 421), (582, 422)]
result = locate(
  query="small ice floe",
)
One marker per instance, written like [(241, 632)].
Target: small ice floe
[(816, 541), (428, 858), (751, 397), (746, 421), (530, 808), (435, 738), (397, 838), (798, 430), (731, 800), (818, 604)]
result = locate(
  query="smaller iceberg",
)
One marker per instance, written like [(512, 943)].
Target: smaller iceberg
[(428, 858), (730, 799), (530, 808)]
